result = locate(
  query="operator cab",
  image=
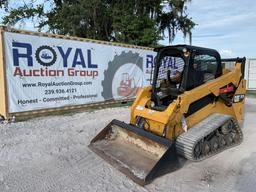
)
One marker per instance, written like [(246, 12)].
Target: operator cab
[(181, 68)]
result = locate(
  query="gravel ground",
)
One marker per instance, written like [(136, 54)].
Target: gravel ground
[(50, 154)]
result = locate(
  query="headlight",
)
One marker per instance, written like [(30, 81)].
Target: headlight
[(152, 104), (238, 98)]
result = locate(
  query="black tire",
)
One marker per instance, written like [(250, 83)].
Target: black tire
[(113, 66), (46, 64)]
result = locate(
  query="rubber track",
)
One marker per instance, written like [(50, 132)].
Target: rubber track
[(187, 141)]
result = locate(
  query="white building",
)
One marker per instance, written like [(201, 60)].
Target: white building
[(250, 74)]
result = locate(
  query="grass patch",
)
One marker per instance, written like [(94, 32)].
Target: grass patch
[(251, 93), (68, 112)]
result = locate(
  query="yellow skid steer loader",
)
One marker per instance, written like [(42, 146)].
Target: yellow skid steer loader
[(192, 109)]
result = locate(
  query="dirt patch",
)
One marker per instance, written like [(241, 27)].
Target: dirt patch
[(51, 154)]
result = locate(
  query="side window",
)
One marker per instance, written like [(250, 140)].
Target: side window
[(207, 65)]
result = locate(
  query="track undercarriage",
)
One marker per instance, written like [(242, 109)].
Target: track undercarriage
[(209, 137)]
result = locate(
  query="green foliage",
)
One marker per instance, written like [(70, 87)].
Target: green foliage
[(139, 22)]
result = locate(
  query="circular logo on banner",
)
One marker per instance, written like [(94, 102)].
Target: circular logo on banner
[(123, 77), (46, 55)]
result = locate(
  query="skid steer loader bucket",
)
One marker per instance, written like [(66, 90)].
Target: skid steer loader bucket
[(134, 151)]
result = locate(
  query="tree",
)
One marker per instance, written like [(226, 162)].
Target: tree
[(139, 22)]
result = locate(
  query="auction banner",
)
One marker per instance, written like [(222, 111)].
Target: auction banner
[(45, 72)]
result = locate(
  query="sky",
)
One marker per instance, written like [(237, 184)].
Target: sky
[(226, 25)]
